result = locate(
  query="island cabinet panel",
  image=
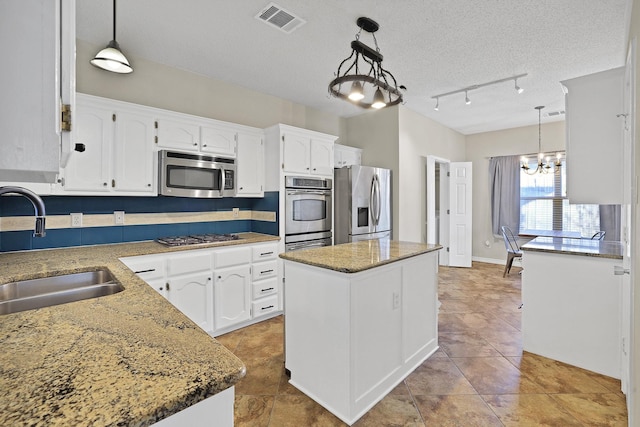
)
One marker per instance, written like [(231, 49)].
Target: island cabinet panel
[(352, 337)]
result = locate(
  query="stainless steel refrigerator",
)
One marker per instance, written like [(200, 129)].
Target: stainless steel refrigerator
[(362, 203)]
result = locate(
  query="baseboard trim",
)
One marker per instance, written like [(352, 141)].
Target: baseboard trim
[(488, 260)]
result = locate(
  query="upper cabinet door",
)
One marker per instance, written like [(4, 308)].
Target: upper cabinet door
[(34, 85), (90, 170), (218, 140), (178, 135), (250, 165), (321, 157), (296, 153), (133, 157)]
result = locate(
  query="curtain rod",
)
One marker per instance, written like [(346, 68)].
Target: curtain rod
[(529, 154)]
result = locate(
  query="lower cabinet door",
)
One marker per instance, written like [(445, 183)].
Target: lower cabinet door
[(232, 296), (192, 295)]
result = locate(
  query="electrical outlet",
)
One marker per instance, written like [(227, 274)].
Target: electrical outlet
[(236, 212), (76, 219), (118, 217)]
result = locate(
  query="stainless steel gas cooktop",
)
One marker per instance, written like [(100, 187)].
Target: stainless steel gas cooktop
[(196, 239)]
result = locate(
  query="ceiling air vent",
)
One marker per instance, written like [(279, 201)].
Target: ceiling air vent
[(282, 19), (555, 113)]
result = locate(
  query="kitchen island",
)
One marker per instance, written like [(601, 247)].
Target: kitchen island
[(128, 359), (359, 317), (572, 302)]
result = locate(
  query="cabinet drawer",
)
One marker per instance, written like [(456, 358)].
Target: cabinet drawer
[(265, 252), (188, 262), (229, 257), (263, 270), (265, 288), (146, 269), (264, 306)]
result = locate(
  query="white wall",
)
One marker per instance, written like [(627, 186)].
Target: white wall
[(160, 86), (420, 137), (482, 146)]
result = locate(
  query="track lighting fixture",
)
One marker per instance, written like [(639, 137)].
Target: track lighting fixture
[(467, 89), (518, 88), (111, 57), (437, 107), (371, 87)]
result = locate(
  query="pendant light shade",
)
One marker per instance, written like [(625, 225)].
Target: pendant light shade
[(111, 57)]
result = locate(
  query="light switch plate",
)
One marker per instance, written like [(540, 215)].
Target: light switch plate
[(236, 212)]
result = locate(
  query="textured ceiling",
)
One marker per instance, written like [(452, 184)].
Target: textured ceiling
[(431, 46)]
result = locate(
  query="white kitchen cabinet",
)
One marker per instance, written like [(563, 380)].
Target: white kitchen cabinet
[(39, 38), (194, 134), (192, 294), (594, 126), (343, 155), (116, 153), (296, 151), (220, 289), (250, 164), (232, 296)]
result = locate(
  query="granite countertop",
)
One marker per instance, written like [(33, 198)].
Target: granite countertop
[(125, 359), (584, 247), (359, 256)]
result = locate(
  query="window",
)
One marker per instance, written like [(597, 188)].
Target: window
[(544, 204)]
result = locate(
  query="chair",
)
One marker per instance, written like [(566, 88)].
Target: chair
[(513, 249), (599, 235)]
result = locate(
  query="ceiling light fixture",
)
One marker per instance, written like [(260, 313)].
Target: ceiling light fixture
[(383, 90), (518, 88), (111, 57), (467, 89), (437, 107), (542, 167)]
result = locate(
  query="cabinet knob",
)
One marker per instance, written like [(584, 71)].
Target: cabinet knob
[(219, 277), (209, 278), (204, 145), (148, 185), (314, 168), (241, 188), (307, 168), (195, 144), (104, 184), (160, 288)]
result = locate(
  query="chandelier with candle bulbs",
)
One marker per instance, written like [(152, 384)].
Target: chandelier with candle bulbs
[(544, 165)]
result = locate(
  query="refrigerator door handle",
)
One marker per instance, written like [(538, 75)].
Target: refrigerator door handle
[(378, 201), (372, 193)]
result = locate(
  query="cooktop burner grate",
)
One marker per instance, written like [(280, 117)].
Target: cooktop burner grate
[(196, 239)]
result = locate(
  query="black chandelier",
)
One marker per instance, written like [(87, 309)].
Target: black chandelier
[(542, 166), (386, 93)]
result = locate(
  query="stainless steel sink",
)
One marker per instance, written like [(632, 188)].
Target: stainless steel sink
[(54, 290)]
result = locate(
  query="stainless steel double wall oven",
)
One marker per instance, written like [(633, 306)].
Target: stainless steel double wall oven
[(308, 212)]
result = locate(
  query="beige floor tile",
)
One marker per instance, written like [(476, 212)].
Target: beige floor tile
[(392, 411), (595, 409), (263, 376), (530, 410), (253, 411), (557, 377), (495, 375), (456, 411), (438, 376), (297, 411), (464, 344)]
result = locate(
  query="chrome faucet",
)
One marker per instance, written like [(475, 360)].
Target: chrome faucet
[(37, 203)]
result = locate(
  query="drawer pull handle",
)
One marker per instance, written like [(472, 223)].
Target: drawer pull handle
[(266, 271), (267, 307), (265, 290), (145, 271), (266, 253)]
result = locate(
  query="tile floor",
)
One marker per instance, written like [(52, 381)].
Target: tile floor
[(479, 376)]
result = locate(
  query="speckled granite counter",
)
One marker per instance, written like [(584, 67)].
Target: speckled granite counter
[(125, 359), (359, 256), (584, 247)]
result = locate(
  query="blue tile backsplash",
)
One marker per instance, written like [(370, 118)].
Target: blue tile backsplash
[(64, 205)]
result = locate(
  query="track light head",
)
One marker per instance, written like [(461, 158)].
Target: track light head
[(466, 98), (437, 107), (518, 88)]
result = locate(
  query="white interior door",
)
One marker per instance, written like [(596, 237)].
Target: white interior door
[(628, 363), (460, 220)]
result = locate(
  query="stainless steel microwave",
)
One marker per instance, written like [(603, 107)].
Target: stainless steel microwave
[(195, 175)]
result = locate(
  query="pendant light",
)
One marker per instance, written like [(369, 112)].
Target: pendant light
[(111, 57), (542, 167)]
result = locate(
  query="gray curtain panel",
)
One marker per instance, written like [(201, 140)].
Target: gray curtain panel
[(610, 221), (504, 184)]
